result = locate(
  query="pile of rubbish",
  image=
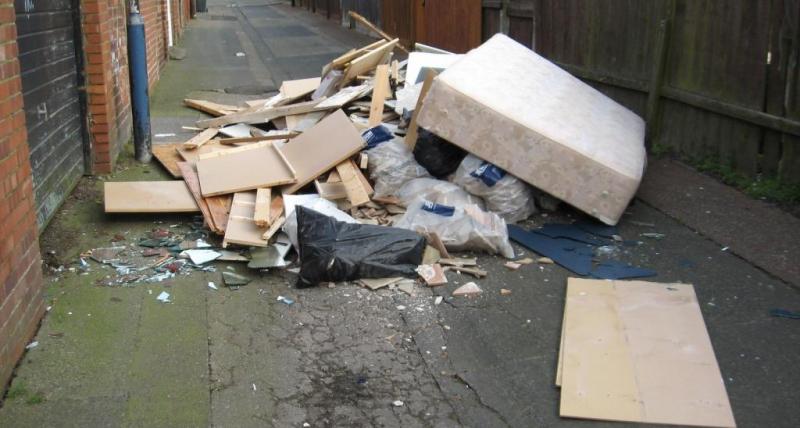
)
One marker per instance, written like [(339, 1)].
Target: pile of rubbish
[(377, 162)]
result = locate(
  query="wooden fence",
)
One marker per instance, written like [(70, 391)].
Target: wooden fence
[(714, 79)]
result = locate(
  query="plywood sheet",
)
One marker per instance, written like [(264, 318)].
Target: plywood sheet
[(241, 228), (148, 197), (321, 148), (540, 124), (299, 88), (214, 208), (168, 156), (243, 170), (367, 62), (639, 351)]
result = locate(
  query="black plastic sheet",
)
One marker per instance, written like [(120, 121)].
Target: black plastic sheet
[(332, 251)]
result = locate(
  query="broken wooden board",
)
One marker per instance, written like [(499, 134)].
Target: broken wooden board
[(353, 186), (321, 148), (572, 137), (190, 178), (271, 135), (148, 197), (330, 191), (192, 156), (273, 229), (365, 22), (275, 208), (168, 156), (241, 228), (350, 55), (381, 91), (201, 138), (639, 351), (413, 130), (368, 62), (243, 170), (433, 275), (210, 107), (260, 115), (220, 207), (299, 88), (263, 200)]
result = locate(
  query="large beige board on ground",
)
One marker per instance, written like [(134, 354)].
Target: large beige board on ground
[(321, 148), (243, 169), (639, 351), (509, 106), (148, 197)]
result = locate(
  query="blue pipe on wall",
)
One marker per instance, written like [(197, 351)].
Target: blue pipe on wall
[(140, 98)]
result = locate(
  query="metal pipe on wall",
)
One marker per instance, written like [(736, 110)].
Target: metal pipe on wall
[(140, 98), (169, 23)]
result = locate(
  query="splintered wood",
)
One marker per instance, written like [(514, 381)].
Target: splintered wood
[(242, 228), (639, 351)]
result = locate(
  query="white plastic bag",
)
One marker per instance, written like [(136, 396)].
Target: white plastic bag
[(504, 194), (436, 191), (391, 165), (465, 227)]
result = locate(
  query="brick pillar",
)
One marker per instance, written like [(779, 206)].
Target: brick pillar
[(103, 23), (21, 284)]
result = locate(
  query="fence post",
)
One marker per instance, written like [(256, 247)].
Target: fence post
[(661, 53)]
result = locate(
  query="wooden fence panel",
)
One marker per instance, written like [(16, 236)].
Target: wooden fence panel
[(785, 54), (398, 20), (453, 25)]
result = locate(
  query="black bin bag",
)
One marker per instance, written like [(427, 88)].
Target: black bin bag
[(331, 250)]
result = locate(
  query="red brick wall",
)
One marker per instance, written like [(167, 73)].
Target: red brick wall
[(21, 284), (106, 51), (105, 45)]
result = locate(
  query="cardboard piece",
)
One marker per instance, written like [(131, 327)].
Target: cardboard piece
[(241, 228), (321, 148), (148, 197), (237, 171), (639, 351), (168, 156), (572, 136)]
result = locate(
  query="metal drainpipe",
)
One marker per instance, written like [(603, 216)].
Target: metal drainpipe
[(169, 23), (140, 99)]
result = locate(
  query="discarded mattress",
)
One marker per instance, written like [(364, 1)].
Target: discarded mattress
[(505, 104)]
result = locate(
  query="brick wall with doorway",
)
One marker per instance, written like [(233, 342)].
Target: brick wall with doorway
[(21, 284)]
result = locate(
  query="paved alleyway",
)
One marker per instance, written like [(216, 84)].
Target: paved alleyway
[(341, 356)]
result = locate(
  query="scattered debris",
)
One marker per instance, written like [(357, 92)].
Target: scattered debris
[(285, 300), (233, 279), (32, 345), (200, 257), (545, 261), (212, 286), (653, 235), (512, 265), (164, 297), (397, 403), (528, 260), (783, 313), (433, 275), (505, 292), (468, 289)]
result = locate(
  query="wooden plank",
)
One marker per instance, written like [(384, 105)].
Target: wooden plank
[(273, 229), (353, 186), (192, 156), (148, 197), (232, 150), (220, 207), (299, 88), (168, 156), (413, 132), (330, 191), (272, 135), (260, 115), (241, 228), (210, 107), (243, 170), (321, 148), (639, 351), (367, 62), (349, 56), (201, 138), (263, 200), (190, 178), (365, 22), (379, 94), (275, 208)]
